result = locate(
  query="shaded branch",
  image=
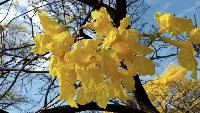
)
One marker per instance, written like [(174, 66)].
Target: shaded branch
[(5, 1), (22, 70), (7, 11), (121, 12), (16, 48), (142, 97), (81, 33), (97, 5), (166, 56), (2, 111), (92, 106), (17, 76), (47, 92), (30, 11)]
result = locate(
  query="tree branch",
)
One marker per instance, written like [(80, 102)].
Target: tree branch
[(30, 11), (22, 70), (93, 106), (142, 97), (47, 92), (97, 5), (5, 1), (17, 76), (121, 11), (2, 111), (166, 56)]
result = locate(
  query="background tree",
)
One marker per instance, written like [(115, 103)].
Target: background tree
[(174, 91), (18, 64)]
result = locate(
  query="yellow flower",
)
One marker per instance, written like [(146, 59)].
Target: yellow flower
[(94, 62), (101, 22), (195, 36), (123, 50), (54, 37), (185, 55), (102, 96), (115, 74), (174, 76), (62, 40), (83, 53), (67, 78), (141, 65), (50, 26), (172, 24), (124, 23), (53, 64), (41, 42), (90, 77), (44, 44), (109, 56), (125, 43)]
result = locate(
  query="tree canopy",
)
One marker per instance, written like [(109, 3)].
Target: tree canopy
[(95, 52)]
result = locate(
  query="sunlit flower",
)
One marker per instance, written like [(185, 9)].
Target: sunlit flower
[(172, 24)]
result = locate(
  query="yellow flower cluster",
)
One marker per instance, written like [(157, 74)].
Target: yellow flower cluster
[(172, 24), (94, 63), (170, 86), (158, 89), (175, 26)]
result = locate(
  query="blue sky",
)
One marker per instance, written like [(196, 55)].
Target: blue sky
[(180, 8)]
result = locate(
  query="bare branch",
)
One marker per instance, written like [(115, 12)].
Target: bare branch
[(22, 70), (166, 56), (97, 5), (5, 1)]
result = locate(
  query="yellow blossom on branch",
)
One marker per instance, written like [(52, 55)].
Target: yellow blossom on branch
[(172, 24), (95, 65)]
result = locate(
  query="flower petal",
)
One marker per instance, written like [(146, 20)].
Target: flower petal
[(124, 23), (187, 59), (173, 25), (41, 42), (144, 66), (50, 26), (195, 36)]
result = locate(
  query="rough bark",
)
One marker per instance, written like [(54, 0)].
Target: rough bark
[(142, 98)]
